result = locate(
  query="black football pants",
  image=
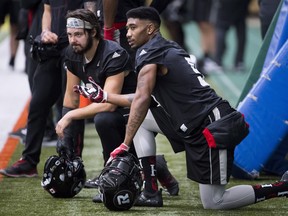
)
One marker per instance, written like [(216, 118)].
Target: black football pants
[(49, 79), (111, 127)]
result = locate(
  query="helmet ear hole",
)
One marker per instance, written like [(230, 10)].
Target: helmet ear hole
[(120, 182), (63, 178)]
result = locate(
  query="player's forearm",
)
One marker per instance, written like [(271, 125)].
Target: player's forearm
[(120, 100), (91, 110), (109, 12), (138, 111), (46, 19)]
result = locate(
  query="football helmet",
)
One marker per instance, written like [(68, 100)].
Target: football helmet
[(120, 182), (62, 177)]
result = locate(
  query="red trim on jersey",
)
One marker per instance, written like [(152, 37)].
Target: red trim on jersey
[(209, 137)]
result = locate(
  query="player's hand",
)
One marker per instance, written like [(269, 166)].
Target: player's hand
[(99, 96), (84, 91), (118, 151), (49, 37), (62, 124), (94, 94)]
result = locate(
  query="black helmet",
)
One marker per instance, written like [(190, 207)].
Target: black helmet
[(120, 182), (63, 178)]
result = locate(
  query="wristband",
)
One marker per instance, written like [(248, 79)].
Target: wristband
[(109, 33)]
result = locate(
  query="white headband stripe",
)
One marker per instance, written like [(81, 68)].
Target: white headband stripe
[(78, 23)]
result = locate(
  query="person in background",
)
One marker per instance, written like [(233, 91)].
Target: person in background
[(31, 17), (267, 9), (231, 14), (11, 8), (173, 18), (202, 15), (49, 84)]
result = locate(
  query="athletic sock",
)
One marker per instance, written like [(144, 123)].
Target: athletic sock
[(148, 165), (164, 176), (268, 191)]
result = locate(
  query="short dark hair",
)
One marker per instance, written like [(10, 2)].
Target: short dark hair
[(145, 13), (89, 16)]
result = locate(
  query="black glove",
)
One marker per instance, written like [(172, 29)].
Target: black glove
[(64, 149)]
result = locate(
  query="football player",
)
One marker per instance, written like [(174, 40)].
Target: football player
[(189, 111), (109, 65)]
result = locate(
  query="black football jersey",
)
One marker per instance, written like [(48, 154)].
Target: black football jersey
[(184, 95), (110, 59)]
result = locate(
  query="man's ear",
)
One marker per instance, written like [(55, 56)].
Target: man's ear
[(93, 32), (150, 28)]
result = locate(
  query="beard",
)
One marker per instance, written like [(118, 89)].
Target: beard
[(84, 49)]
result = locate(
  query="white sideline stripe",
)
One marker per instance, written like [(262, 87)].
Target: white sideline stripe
[(14, 90)]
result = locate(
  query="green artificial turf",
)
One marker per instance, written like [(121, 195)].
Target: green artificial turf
[(25, 196)]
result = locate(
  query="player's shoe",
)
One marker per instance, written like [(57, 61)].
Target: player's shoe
[(150, 200), (92, 183), (97, 198), (173, 190), (166, 179), (50, 138), (284, 177), (19, 134), (20, 168), (211, 67), (12, 62)]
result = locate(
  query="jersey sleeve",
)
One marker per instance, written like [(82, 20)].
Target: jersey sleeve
[(116, 62), (153, 56), (151, 53)]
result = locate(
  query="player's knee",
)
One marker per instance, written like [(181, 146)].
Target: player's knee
[(211, 200), (211, 204), (102, 121), (106, 121)]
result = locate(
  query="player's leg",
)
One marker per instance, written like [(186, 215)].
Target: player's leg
[(214, 174), (110, 127), (154, 167), (145, 146), (14, 43), (217, 197), (45, 92)]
